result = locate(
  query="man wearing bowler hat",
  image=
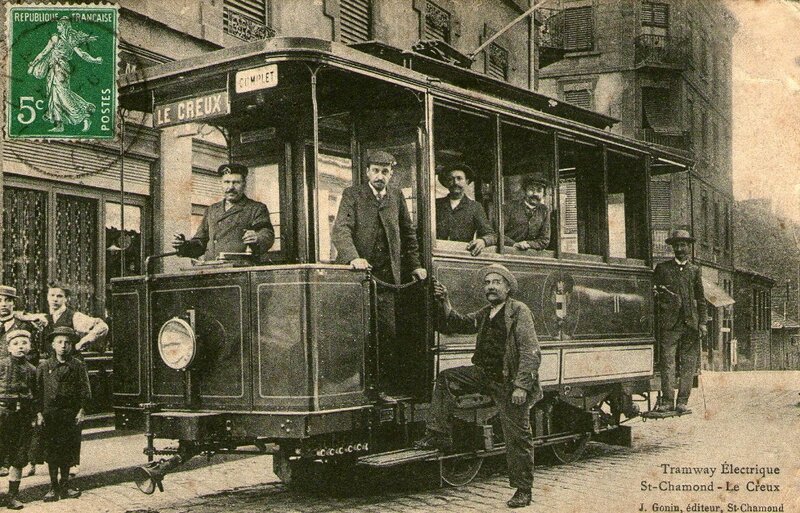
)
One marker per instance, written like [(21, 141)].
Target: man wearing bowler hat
[(236, 224), (506, 366), (527, 219), (458, 217), (682, 320), (374, 230)]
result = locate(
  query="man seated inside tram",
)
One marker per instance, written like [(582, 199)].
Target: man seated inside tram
[(236, 224), (458, 217), (527, 218)]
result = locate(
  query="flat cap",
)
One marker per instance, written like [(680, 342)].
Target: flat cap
[(63, 330), (18, 333), (7, 291), (380, 157), (502, 271), (232, 168)]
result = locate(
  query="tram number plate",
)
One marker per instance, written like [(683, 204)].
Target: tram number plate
[(254, 79)]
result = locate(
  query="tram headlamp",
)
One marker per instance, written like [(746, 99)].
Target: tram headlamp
[(177, 343)]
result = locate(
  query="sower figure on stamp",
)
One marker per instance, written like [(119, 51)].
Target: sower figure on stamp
[(682, 320), (18, 409), (236, 224), (506, 366), (373, 230), (63, 387), (459, 217)]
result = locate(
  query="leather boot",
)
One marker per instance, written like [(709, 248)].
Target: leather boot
[(521, 498), (51, 495)]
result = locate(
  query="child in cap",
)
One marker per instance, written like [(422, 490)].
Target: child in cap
[(18, 409), (63, 386)]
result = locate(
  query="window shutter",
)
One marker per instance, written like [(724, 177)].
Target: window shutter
[(660, 203), (655, 15), (256, 10), (580, 97), (569, 206), (497, 62), (246, 19), (578, 29), (355, 20)]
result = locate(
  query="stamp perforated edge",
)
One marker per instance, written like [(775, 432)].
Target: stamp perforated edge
[(115, 89)]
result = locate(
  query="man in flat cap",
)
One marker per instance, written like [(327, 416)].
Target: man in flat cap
[(682, 320), (374, 230), (506, 366), (458, 217), (236, 224), (527, 219)]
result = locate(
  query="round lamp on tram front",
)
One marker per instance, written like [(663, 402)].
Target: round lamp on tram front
[(177, 343)]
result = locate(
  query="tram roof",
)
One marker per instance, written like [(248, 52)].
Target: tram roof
[(407, 68)]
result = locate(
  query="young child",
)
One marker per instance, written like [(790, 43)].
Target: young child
[(18, 409), (63, 386)]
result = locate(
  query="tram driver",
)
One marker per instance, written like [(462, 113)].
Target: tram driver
[(459, 217), (527, 219), (506, 366), (374, 231), (236, 224)]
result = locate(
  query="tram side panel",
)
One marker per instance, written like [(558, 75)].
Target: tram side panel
[(129, 318)]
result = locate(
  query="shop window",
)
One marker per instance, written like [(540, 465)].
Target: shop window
[(578, 29), (355, 20), (25, 248), (581, 197), (528, 198), (124, 245), (76, 258)]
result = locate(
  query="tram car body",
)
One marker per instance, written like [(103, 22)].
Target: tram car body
[(283, 356)]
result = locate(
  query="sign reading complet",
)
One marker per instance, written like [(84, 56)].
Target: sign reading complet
[(210, 105), (254, 79)]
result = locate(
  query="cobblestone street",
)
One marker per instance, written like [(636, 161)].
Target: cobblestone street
[(744, 420)]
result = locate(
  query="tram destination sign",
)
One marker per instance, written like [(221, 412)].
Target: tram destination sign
[(199, 108), (254, 79)]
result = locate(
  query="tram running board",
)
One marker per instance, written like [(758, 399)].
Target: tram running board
[(663, 414), (399, 457)]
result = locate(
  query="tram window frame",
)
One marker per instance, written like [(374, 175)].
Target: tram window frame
[(627, 179), (483, 189), (517, 158)]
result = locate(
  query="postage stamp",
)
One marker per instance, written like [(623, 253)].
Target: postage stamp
[(62, 70)]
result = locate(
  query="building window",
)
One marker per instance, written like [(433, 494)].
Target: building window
[(578, 29), (705, 213), (438, 23), (246, 19), (579, 97), (717, 225), (355, 19), (655, 20), (497, 61), (661, 215), (727, 221)]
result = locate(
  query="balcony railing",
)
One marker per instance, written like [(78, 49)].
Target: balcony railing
[(681, 140), (243, 27), (661, 51)]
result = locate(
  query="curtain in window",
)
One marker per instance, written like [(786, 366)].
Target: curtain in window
[(76, 250), (25, 246)]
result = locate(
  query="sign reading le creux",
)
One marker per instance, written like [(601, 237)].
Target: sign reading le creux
[(210, 105)]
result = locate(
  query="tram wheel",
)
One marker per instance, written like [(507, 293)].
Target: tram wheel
[(459, 471), (562, 419), (568, 452)]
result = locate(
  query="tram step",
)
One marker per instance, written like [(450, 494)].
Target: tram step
[(663, 415), (398, 457)]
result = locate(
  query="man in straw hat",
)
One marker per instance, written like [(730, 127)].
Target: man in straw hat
[(17, 409), (682, 320), (234, 225), (63, 394), (506, 366), (458, 217)]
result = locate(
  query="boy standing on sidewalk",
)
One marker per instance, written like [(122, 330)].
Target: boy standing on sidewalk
[(18, 410), (63, 386)]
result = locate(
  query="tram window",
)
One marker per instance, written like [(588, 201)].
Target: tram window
[(335, 175), (265, 187), (581, 197), (627, 220), (528, 190), (467, 140)]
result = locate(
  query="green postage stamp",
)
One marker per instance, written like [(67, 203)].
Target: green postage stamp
[(62, 70)]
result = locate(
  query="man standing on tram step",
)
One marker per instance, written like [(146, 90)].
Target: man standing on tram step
[(506, 367), (236, 224), (682, 320), (63, 390), (89, 329), (458, 217), (373, 230), (527, 219)]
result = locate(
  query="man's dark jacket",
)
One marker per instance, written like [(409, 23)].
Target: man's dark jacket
[(683, 301), (522, 356), (221, 231), (524, 224), (362, 218), (463, 223)]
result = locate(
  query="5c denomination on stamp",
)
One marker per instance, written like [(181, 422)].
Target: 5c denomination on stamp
[(62, 63)]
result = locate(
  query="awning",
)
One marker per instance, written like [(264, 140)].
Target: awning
[(716, 295)]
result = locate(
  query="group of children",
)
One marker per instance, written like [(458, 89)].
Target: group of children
[(48, 400)]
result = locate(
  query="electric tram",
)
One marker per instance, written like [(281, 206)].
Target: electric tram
[(282, 357)]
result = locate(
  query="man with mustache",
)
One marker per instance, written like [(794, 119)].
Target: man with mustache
[(374, 230), (506, 366), (236, 224), (527, 220), (682, 321), (458, 217)]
